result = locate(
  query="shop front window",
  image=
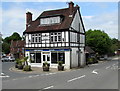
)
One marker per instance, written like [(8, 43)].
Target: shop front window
[(35, 57), (57, 56), (32, 57), (61, 57), (53, 57)]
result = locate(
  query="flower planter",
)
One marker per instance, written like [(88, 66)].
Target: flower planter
[(46, 68), (20, 66), (27, 68), (60, 68), (16, 65)]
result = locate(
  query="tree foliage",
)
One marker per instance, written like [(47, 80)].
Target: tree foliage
[(7, 41), (99, 41), (15, 36)]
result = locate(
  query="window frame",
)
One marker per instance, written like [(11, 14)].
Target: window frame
[(55, 37)]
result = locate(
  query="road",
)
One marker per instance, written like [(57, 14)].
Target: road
[(103, 75)]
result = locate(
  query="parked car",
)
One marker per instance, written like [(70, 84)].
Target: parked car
[(5, 59), (11, 59), (105, 57), (8, 59)]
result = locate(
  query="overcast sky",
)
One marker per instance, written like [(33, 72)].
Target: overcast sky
[(96, 15)]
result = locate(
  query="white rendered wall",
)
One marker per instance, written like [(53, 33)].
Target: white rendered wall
[(82, 57), (76, 22), (67, 59), (27, 53), (74, 54)]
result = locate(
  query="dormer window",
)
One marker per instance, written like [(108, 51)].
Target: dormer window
[(50, 20)]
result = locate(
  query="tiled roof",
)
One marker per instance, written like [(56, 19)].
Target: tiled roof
[(89, 50), (65, 24)]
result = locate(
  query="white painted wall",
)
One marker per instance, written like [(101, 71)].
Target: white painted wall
[(74, 54), (67, 59), (76, 22), (27, 53), (82, 57)]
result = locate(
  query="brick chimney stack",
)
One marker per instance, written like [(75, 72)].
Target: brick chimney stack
[(71, 6), (28, 18)]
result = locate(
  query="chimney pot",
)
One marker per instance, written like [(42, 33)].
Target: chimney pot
[(71, 4), (28, 17)]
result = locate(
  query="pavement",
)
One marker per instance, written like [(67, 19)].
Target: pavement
[(103, 75), (37, 70)]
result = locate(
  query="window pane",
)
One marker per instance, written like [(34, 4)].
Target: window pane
[(48, 57), (43, 57), (59, 38), (61, 57), (38, 57), (55, 33), (51, 38), (53, 57), (32, 57), (55, 38), (35, 39)]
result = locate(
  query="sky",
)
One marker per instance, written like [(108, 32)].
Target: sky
[(95, 15)]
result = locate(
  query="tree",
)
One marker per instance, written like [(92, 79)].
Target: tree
[(7, 41), (15, 36), (5, 47), (99, 41), (115, 44)]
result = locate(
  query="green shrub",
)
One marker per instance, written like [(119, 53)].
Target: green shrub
[(60, 63), (27, 68)]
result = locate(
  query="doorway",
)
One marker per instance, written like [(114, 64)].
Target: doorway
[(46, 57)]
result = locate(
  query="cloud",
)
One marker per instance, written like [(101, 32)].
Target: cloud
[(107, 22), (60, 0), (14, 20)]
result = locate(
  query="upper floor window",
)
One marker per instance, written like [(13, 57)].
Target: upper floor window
[(50, 20), (56, 37), (36, 38)]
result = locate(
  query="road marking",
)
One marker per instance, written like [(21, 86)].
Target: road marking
[(108, 67), (94, 71), (36, 75), (47, 74), (2, 73), (30, 76), (14, 79), (76, 78), (94, 64), (52, 73), (4, 76), (49, 87)]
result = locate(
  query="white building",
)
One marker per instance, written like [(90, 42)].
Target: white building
[(56, 35)]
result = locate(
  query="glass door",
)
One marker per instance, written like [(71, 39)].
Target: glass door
[(46, 57)]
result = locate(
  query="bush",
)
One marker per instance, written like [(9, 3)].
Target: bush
[(45, 64), (90, 60), (27, 68), (60, 63)]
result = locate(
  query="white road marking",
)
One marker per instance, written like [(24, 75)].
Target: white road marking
[(108, 67), (49, 87), (94, 71), (4, 76), (30, 76), (76, 78), (47, 74), (94, 64), (2, 73), (36, 75), (14, 79), (51, 73)]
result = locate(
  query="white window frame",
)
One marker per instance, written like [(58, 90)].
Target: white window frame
[(50, 20), (56, 34), (36, 37)]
